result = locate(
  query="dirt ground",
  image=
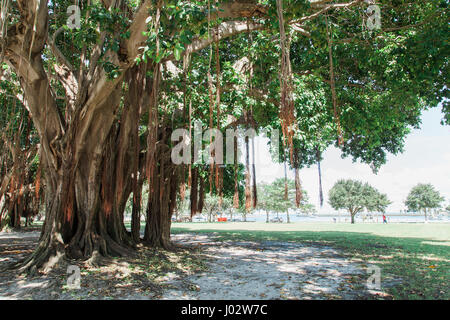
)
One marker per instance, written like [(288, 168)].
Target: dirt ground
[(201, 268)]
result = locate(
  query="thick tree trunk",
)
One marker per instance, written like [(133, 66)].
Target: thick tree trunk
[(159, 214), (84, 200), (136, 213), (162, 195)]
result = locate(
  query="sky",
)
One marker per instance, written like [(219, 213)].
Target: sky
[(426, 159)]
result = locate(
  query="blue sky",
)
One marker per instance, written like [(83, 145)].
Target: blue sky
[(426, 159)]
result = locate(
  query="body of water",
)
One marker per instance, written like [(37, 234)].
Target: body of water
[(394, 218)]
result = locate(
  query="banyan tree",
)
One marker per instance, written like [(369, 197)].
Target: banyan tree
[(106, 83)]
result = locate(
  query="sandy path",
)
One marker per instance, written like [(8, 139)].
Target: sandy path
[(268, 270), (236, 270)]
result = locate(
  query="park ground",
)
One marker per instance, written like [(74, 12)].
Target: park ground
[(254, 261)]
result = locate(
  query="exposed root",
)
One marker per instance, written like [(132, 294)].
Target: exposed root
[(42, 259), (97, 260), (93, 249), (161, 244)]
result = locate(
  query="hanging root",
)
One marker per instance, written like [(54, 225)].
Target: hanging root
[(298, 189), (333, 87), (248, 193), (320, 177), (236, 182), (287, 107)]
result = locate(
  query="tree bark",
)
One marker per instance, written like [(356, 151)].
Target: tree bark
[(298, 188), (194, 191), (162, 196), (248, 194), (353, 217)]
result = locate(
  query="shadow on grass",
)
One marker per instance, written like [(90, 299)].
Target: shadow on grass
[(422, 264), (274, 270), (418, 268)]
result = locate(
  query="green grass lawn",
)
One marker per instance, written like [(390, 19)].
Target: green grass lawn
[(419, 254)]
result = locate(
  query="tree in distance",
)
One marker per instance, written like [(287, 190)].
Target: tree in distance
[(423, 197), (355, 196), (273, 198)]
